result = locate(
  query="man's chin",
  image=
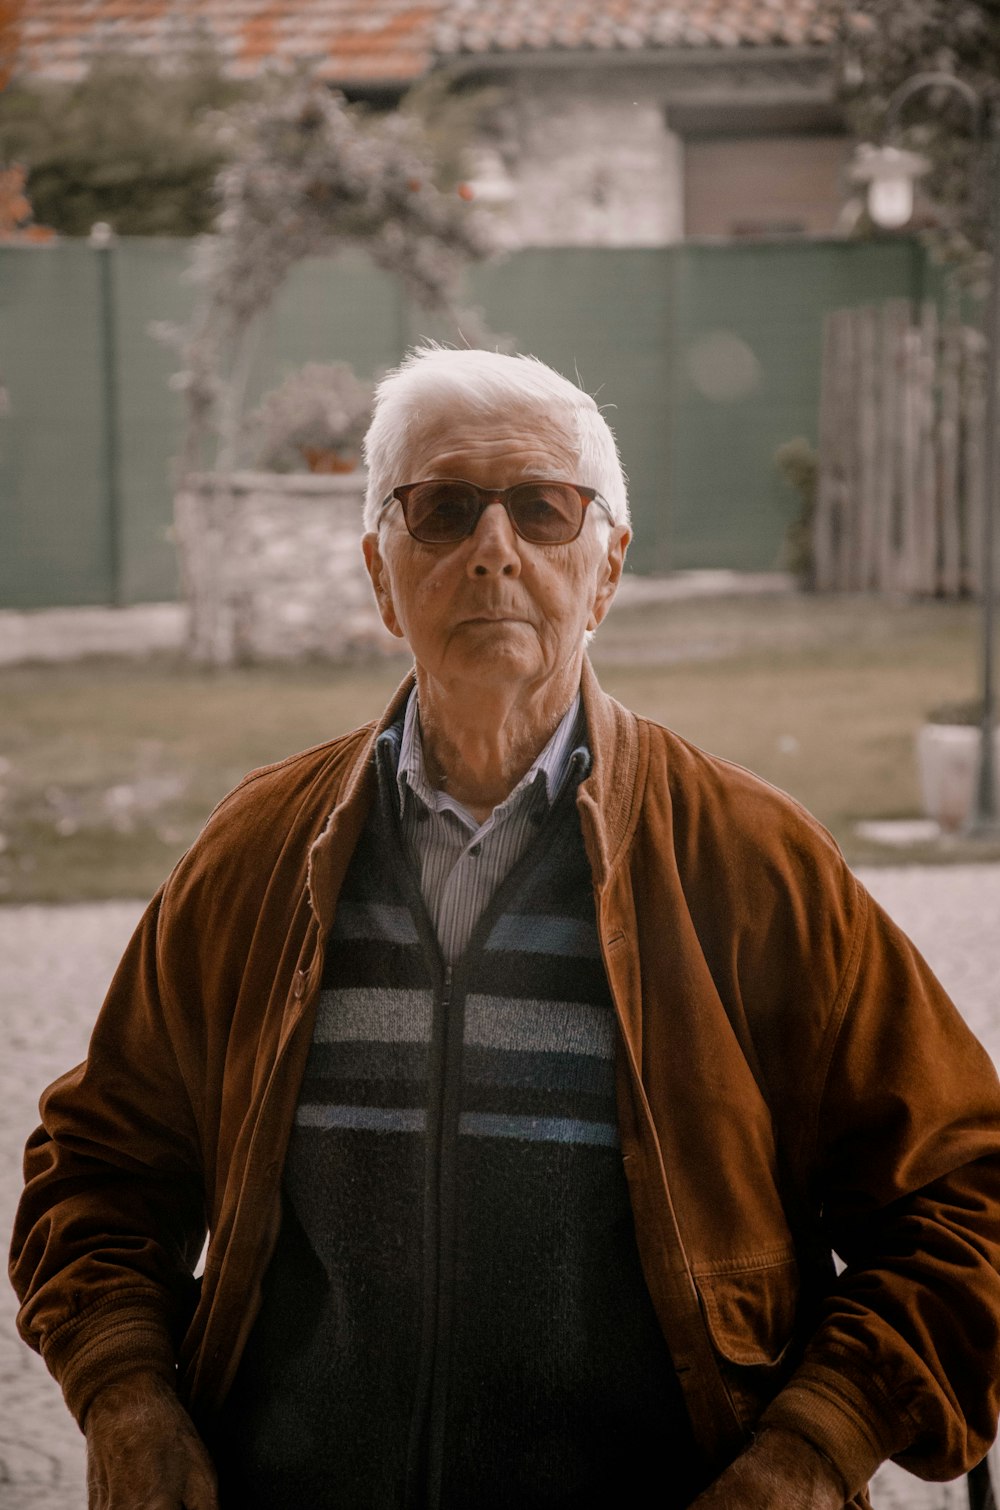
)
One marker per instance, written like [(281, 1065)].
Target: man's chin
[(481, 641), (496, 660)]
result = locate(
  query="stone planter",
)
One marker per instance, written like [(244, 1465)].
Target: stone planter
[(272, 568), (947, 763)]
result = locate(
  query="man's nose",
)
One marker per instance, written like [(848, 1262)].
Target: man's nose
[(494, 549)]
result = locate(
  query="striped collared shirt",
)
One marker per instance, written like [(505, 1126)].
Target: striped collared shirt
[(461, 862)]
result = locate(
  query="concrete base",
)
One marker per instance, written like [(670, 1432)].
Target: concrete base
[(947, 763)]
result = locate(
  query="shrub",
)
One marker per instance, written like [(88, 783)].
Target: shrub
[(314, 421), (798, 462), (131, 144)]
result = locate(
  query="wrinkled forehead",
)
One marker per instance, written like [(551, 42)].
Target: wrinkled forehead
[(526, 437)]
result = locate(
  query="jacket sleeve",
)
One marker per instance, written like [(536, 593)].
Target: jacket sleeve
[(904, 1162), (111, 1221)]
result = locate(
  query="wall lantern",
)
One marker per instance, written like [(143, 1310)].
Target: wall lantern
[(889, 174)]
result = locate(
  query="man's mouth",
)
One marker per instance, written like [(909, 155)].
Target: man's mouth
[(498, 617)]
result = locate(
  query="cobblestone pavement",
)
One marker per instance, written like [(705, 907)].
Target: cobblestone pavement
[(54, 966)]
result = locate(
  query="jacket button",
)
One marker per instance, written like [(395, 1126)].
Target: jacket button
[(300, 984)]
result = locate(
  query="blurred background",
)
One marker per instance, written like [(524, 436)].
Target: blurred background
[(760, 233)]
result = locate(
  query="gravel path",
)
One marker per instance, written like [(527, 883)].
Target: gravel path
[(55, 963)]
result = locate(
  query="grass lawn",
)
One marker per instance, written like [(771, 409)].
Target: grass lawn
[(109, 768)]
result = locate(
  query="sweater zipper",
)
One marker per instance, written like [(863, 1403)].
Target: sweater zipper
[(426, 1435)]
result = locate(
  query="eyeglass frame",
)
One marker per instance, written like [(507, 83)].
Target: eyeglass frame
[(487, 496)]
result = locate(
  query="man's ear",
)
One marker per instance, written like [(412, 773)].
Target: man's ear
[(612, 565), (379, 575)]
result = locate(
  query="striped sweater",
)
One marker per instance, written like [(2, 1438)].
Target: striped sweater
[(455, 1315)]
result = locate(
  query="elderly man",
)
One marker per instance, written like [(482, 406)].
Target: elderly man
[(526, 1067)]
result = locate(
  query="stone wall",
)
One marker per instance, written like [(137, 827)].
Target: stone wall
[(272, 569), (593, 161)]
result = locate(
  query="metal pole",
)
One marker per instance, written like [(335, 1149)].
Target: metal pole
[(979, 1487), (983, 820), (102, 240), (984, 817)]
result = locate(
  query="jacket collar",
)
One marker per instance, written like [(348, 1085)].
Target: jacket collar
[(609, 799), (329, 854)]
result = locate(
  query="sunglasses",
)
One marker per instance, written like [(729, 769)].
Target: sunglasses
[(444, 510)]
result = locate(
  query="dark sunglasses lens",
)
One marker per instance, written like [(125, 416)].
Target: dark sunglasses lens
[(437, 512), (550, 513)]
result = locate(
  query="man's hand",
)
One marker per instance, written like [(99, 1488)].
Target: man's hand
[(780, 1471), (143, 1452)]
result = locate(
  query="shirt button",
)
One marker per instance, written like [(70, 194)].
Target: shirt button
[(475, 849)]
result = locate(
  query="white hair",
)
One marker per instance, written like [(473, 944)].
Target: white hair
[(433, 382)]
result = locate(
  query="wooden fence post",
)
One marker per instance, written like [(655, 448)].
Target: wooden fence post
[(823, 519), (868, 492), (900, 490), (926, 494)]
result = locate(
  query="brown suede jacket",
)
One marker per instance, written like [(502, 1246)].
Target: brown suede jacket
[(793, 1081)]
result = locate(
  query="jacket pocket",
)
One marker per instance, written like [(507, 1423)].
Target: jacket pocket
[(750, 1313), (750, 1310)]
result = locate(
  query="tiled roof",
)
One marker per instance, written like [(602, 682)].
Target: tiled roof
[(375, 40), (350, 40), (490, 26)]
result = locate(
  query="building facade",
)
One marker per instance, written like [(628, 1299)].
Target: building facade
[(611, 123)]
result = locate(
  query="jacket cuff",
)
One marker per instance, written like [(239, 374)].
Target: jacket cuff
[(855, 1429), (106, 1343)]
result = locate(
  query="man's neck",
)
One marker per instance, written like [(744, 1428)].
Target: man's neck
[(478, 743)]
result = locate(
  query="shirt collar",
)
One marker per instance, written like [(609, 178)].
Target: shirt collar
[(550, 766)]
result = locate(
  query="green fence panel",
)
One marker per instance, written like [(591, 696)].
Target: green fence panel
[(706, 357), (603, 317), (62, 540), (339, 307), (342, 309), (149, 288), (53, 523), (746, 354)]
